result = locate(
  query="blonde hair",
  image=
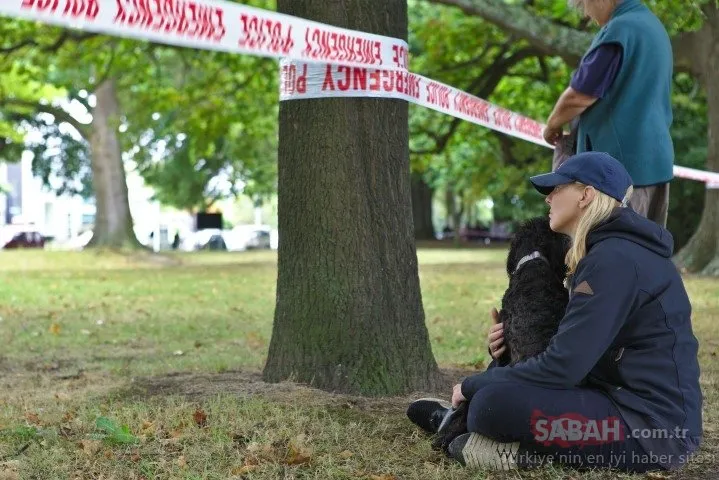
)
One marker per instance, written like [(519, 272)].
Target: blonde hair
[(596, 212)]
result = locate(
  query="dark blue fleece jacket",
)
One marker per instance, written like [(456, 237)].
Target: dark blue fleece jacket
[(627, 330)]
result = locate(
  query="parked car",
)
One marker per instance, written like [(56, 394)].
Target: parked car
[(259, 239), (24, 239)]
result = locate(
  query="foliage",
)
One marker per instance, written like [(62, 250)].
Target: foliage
[(193, 101), (114, 434), (478, 57), (206, 128), (470, 48)]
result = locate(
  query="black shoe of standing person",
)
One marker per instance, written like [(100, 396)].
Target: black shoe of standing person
[(428, 413)]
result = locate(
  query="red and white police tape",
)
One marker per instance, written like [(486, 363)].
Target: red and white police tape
[(300, 80), (217, 25), (319, 61)]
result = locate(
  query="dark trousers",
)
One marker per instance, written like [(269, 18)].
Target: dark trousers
[(578, 427)]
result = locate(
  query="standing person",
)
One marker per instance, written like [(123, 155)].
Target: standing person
[(620, 97), (618, 385)]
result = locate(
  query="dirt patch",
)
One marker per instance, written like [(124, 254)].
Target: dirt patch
[(249, 383)]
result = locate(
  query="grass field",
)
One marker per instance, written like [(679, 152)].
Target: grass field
[(127, 368)]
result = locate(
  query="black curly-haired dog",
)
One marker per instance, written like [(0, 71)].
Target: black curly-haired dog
[(532, 306)]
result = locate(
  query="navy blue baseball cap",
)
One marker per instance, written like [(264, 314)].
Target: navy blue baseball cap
[(598, 169)]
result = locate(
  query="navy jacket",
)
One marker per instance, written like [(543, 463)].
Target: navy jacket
[(627, 331)]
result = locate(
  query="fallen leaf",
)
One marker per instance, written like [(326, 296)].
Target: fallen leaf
[(135, 457), (69, 416), (62, 396), (200, 418), (54, 328), (178, 353), (147, 425), (90, 447), (299, 452), (32, 418), (345, 454), (181, 462), (243, 470), (108, 454), (254, 341)]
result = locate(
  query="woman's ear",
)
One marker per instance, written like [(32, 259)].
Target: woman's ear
[(587, 196)]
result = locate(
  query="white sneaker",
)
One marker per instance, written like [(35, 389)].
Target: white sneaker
[(476, 451)]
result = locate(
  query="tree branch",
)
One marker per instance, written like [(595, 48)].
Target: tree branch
[(469, 62), (65, 36), (59, 114), (482, 87), (551, 38), (543, 34), (19, 46)]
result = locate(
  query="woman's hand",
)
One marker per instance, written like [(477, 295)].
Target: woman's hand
[(496, 336), (457, 396)]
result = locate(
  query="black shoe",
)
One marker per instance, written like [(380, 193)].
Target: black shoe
[(428, 413), (477, 451), (451, 415)]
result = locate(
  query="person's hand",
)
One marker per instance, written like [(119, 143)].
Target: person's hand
[(496, 336), (552, 135), (457, 396)]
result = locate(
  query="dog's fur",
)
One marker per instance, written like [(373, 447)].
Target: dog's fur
[(534, 303), (532, 306)]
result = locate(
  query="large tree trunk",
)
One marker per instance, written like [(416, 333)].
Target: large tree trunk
[(349, 313), (422, 195), (113, 221), (701, 254)]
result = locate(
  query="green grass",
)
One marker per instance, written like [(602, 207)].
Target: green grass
[(157, 346)]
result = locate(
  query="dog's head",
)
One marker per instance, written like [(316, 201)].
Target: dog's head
[(535, 235)]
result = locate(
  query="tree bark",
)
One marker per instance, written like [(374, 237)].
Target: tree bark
[(113, 221), (348, 313), (422, 195), (701, 254)]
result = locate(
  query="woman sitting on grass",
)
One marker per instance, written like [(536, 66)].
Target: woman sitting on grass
[(618, 385)]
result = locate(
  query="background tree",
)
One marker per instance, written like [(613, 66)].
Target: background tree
[(544, 25), (205, 129), (54, 55), (462, 162), (349, 314)]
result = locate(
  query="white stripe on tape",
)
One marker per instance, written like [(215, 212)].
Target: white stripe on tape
[(710, 178), (360, 64)]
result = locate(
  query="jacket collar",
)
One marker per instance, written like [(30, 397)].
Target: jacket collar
[(625, 6)]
